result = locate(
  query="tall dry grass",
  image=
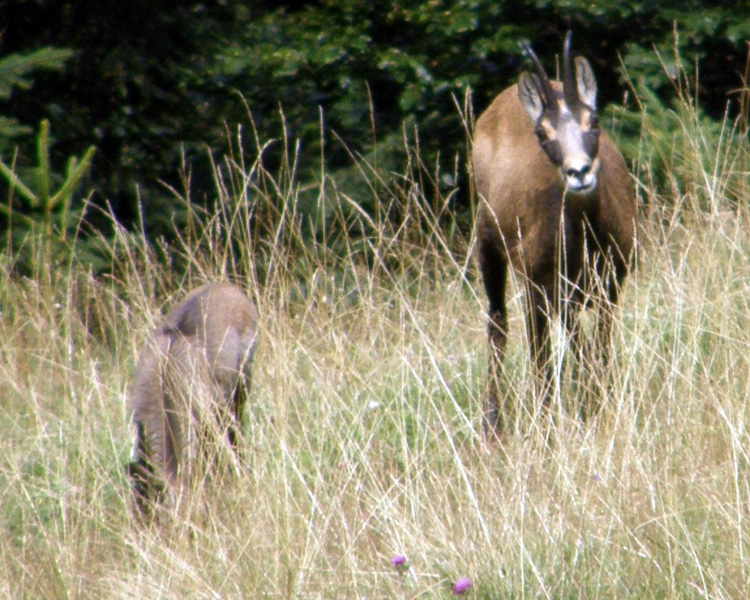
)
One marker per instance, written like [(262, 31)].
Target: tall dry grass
[(363, 440)]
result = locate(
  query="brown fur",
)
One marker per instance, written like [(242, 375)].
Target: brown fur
[(525, 219), (197, 362)]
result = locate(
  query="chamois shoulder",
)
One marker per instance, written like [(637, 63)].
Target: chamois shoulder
[(506, 150), (505, 117)]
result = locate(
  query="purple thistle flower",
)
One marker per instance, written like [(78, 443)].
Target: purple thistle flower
[(461, 586), (398, 560)]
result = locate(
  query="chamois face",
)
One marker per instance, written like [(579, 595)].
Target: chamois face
[(565, 121)]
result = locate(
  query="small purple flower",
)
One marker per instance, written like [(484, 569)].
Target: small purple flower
[(399, 563), (462, 586)]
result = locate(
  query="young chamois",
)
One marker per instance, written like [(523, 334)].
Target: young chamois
[(191, 378), (556, 203)]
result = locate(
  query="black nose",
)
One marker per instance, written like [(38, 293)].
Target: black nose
[(578, 173)]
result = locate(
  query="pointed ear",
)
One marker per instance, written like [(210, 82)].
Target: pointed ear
[(585, 82), (528, 94)]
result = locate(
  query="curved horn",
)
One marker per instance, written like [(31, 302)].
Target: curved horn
[(549, 96), (570, 90)]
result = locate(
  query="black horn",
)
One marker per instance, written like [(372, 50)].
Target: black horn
[(570, 90), (549, 96)]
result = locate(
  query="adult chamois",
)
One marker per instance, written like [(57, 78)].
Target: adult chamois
[(192, 379), (556, 203)]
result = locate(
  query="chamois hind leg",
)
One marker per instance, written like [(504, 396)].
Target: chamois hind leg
[(494, 273)]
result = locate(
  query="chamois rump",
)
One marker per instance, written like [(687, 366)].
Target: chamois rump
[(192, 379), (556, 203)]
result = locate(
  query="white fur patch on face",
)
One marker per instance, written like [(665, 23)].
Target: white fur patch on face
[(577, 167)]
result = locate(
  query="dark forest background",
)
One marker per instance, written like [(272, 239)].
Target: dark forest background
[(156, 87)]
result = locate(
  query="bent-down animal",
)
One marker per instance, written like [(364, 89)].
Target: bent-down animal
[(192, 379), (555, 203)]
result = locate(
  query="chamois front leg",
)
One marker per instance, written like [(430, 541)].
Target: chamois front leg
[(145, 485), (594, 353), (537, 326), (598, 356), (584, 370), (239, 398), (494, 270)]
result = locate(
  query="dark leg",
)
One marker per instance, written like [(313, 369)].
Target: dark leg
[(146, 487), (597, 356), (227, 421), (606, 311), (537, 323), (239, 399), (583, 372), (494, 273), (173, 441), (597, 353)]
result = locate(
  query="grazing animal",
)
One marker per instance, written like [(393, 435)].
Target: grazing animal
[(195, 368), (556, 203)]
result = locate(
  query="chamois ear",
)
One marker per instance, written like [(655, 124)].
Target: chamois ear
[(531, 99), (585, 82)]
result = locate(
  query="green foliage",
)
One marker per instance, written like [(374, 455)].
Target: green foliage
[(15, 74), (370, 67), (706, 40), (672, 137), (676, 145), (152, 87), (15, 69), (44, 212)]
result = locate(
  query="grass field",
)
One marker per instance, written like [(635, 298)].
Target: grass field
[(362, 441)]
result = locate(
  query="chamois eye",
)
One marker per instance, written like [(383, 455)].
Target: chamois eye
[(594, 121), (540, 134)]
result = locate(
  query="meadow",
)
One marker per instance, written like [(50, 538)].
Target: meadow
[(363, 438)]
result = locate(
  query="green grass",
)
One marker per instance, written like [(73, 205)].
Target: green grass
[(362, 440)]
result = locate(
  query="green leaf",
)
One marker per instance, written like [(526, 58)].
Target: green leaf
[(75, 174), (15, 68), (42, 150), (17, 185)]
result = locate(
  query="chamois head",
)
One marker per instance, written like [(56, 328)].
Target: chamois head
[(566, 123)]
